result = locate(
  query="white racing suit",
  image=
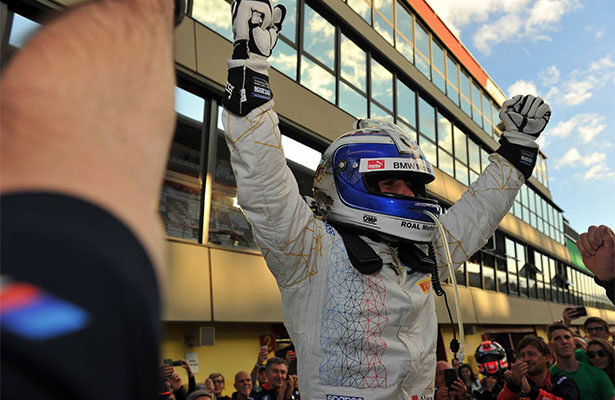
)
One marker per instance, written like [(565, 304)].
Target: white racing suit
[(370, 337)]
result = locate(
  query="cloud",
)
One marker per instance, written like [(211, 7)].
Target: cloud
[(504, 20), (599, 33), (586, 125), (574, 158), (581, 84), (600, 171), (549, 76), (522, 87)]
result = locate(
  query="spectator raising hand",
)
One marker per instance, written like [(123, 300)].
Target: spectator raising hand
[(458, 391)]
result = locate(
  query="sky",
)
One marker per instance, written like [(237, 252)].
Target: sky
[(563, 51)]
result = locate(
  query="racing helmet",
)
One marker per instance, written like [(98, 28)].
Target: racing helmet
[(346, 186), (493, 367)]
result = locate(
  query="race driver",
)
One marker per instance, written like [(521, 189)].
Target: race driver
[(356, 292)]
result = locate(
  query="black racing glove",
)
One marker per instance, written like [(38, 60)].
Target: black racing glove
[(256, 25), (525, 117)]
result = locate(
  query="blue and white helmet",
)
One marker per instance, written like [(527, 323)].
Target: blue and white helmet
[(346, 182)]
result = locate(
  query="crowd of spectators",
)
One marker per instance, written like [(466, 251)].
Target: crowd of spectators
[(269, 380), (565, 367)]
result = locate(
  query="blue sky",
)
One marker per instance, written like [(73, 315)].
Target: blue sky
[(564, 51)]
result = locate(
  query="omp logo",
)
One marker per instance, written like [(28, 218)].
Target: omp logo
[(425, 284), (370, 219), (340, 397), (375, 164)]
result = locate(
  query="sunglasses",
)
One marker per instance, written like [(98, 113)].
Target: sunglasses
[(593, 354)]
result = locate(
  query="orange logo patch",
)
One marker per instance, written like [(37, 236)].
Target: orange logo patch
[(425, 284)]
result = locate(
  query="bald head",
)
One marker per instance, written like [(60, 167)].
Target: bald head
[(440, 367), (243, 383)]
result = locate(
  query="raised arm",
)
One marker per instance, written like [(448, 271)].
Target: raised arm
[(283, 224), (474, 218)]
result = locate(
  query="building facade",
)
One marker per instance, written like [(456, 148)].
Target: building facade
[(338, 60)]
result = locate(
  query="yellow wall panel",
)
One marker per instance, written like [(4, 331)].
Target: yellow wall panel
[(243, 288), (235, 349), (499, 308), (188, 294), (468, 313)]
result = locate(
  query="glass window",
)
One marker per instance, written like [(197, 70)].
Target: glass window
[(284, 59), (474, 152), (461, 173), (501, 275), (290, 21), (523, 284), (422, 50), (460, 274), (376, 111), (382, 85), (363, 8), (461, 152), (476, 105), (511, 264), (445, 133), (317, 79), (429, 149), (383, 19), (319, 37), (351, 101), (539, 276), (406, 104), (427, 120), (486, 110), (354, 63), (464, 87), (451, 77), (22, 29), (214, 14), (180, 200), (488, 271), (445, 162), (473, 268), (484, 159), (404, 39), (438, 66), (227, 224)]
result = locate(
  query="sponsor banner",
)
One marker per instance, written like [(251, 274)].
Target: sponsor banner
[(393, 164), (342, 397)]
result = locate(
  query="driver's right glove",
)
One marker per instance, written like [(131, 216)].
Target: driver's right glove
[(256, 24)]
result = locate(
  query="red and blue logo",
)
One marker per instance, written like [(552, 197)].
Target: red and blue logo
[(32, 313)]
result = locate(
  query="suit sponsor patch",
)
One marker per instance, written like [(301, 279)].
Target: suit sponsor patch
[(425, 284), (342, 397)]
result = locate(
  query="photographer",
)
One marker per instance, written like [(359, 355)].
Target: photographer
[(455, 390)]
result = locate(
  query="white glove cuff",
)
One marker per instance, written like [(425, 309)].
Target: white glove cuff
[(521, 139)]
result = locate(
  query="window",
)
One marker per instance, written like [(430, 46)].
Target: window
[(422, 50), (404, 36), (317, 79), (438, 66), (488, 268), (319, 38), (363, 8), (461, 156), (353, 86), (451, 78), (476, 105), (427, 120), (180, 200), (445, 133), (290, 21), (22, 29), (382, 85), (474, 153), (383, 19), (351, 101), (511, 264), (214, 14), (406, 104), (473, 268), (464, 87), (523, 272), (284, 59)]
